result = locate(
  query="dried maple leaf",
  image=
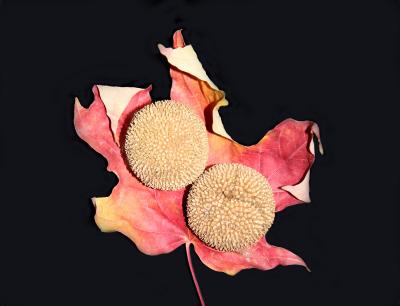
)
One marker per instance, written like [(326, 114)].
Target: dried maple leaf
[(154, 219)]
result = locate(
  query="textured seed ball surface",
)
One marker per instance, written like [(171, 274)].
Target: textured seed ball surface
[(230, 207), (166, 145)]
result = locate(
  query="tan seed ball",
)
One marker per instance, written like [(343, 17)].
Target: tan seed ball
[(166, 145), (230, 207)]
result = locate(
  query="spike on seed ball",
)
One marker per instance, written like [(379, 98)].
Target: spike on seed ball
[(166, 145), (230, 207)]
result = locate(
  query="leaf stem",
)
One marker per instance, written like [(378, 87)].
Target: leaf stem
[(196, 284)]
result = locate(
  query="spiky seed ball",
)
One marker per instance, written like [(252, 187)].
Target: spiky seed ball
[(166, 145), (230, 207)]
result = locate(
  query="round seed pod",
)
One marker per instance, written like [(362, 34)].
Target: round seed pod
[(230, 207), (166, 145)]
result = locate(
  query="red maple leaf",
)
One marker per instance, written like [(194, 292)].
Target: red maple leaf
[(154, 219)]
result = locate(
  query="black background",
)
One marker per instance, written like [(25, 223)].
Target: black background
[(335, 62)]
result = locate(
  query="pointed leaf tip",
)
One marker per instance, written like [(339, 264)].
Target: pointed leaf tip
[(77, 106), (178, 41), (315, 131)]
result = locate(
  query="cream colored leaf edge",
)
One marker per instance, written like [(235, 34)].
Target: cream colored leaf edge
[(115, 100), (186, 60)]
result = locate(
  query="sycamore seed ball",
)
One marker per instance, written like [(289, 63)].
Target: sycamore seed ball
[(166, 145), (230, 207)]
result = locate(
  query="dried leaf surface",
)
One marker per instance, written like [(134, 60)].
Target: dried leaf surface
[(153, 219)]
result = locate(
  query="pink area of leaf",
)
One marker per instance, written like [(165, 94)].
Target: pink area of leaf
[(93, 126), (261, 256), (153, 219)]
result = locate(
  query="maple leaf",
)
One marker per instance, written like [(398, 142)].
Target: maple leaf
[(154, 219)]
